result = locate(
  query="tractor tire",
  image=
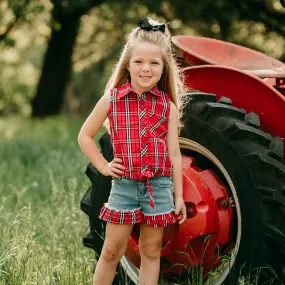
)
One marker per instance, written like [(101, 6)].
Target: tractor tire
[(254, 162)]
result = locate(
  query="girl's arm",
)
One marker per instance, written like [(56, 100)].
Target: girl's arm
[(175, 157), (86, 140)]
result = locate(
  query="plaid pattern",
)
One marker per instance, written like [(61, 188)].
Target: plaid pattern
[(136, 216), (161, 220), (138, 126), (120, 217)]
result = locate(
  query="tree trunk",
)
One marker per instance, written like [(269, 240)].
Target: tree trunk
[(56, 67)]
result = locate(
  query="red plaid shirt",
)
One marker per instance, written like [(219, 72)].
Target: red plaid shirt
[(138, 126)]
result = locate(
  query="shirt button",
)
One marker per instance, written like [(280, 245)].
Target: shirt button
[(143, 124)]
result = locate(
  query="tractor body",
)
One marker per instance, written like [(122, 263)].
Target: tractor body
[(232, 146), (252, 80)]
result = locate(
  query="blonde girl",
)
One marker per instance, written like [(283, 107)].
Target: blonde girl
[(142, 102)]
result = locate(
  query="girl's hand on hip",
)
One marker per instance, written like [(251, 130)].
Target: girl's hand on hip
[(113, 168), (180, 209)]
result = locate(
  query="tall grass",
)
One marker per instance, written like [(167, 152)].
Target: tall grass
[(41, 183)]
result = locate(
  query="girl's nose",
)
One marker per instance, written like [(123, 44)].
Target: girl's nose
[(145, 67)]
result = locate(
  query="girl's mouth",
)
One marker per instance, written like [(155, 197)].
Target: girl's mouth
[(145, 77)]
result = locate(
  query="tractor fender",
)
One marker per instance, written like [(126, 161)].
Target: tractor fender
[(246, 91)]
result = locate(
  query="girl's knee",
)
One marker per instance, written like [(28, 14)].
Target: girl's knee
[(150, 250), (111, 252)]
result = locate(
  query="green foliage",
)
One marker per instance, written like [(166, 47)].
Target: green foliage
[(20, 52), (8, 42), (18, 87), (14, 12)]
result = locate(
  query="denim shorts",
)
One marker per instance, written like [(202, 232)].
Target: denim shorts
[(129, 202)]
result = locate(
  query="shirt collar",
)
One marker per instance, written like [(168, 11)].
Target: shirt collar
[(127, 88)]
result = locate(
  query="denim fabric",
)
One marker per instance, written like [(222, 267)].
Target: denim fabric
[(129, 195)]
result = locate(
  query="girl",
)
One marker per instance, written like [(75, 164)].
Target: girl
[(141, 102)]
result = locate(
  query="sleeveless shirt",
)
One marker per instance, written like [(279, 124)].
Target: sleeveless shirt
[(138, 129)]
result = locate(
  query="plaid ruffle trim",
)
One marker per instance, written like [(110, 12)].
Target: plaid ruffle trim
[(136, 216), (120, 217), (161, 220)]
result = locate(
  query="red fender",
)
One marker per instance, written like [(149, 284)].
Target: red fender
[(245, 90), (201, 50)]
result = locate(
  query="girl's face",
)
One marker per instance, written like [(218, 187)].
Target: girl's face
[(145, 66)]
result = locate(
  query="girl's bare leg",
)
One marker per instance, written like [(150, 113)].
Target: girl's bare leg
[(115, 244), (150, 247)]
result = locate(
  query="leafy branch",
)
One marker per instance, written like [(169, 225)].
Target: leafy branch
[(19, 12)]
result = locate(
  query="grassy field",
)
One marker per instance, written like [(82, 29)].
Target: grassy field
[(42, 181)]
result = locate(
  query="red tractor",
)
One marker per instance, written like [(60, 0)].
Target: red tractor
[(232, 144)]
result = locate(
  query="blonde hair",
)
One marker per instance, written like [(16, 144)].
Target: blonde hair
[(171, 81)]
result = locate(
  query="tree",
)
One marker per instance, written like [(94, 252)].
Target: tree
[(57, 62)]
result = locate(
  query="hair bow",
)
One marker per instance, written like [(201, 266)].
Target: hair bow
[(145, 25)]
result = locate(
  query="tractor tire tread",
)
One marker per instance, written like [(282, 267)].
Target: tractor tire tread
[(261, 153)]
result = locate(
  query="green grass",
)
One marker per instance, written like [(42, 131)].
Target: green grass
[(42, 181)]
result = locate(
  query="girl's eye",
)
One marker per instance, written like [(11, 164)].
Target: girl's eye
[(154, 62), (137, 61)]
